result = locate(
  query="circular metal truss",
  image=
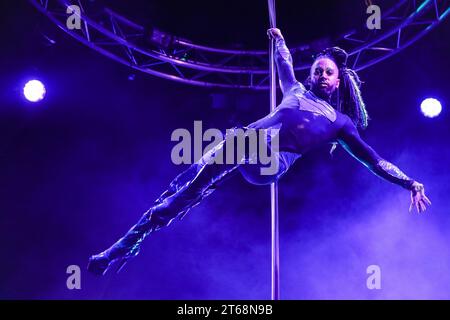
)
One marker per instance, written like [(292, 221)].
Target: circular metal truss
[(161, 54)]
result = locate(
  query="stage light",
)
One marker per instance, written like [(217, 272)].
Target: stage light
[(431, 107), (34, 91)]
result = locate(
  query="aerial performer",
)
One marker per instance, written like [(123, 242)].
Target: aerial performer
[(327, 108)]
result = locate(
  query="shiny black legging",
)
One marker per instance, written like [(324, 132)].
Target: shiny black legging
[(189, 188)]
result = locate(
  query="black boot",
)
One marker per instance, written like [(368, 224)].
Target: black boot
[(125, 248)]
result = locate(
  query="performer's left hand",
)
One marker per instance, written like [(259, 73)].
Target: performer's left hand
[(418, 198)]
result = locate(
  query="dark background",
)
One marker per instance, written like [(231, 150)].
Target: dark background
[(80, 167)]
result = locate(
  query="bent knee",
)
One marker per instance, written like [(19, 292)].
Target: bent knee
[(254, 174)]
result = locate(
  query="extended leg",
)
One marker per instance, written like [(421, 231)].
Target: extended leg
[(184, 192)]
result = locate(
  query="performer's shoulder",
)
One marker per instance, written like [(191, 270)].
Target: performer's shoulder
[(301, 86), (297, 88), (343, 121)]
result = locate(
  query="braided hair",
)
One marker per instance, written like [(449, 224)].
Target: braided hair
[(348, 97)]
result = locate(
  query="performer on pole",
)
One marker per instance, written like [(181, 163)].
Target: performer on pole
[(329, 110)]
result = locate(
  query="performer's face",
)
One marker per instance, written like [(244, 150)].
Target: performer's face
[(324, 77)]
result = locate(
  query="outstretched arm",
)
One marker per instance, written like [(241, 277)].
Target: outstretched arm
[(351, 141), (283, 61)]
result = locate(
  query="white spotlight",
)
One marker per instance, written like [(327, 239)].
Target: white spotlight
[(431, 107), (34, 91)]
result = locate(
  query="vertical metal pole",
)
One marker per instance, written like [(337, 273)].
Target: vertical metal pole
[(274, 186)]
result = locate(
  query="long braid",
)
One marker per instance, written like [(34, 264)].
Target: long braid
[(352, 103)]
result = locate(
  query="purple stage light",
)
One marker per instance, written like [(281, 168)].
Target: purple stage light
[(34, 91), (431, 107)]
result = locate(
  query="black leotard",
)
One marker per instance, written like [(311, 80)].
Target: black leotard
[(307, 121)]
